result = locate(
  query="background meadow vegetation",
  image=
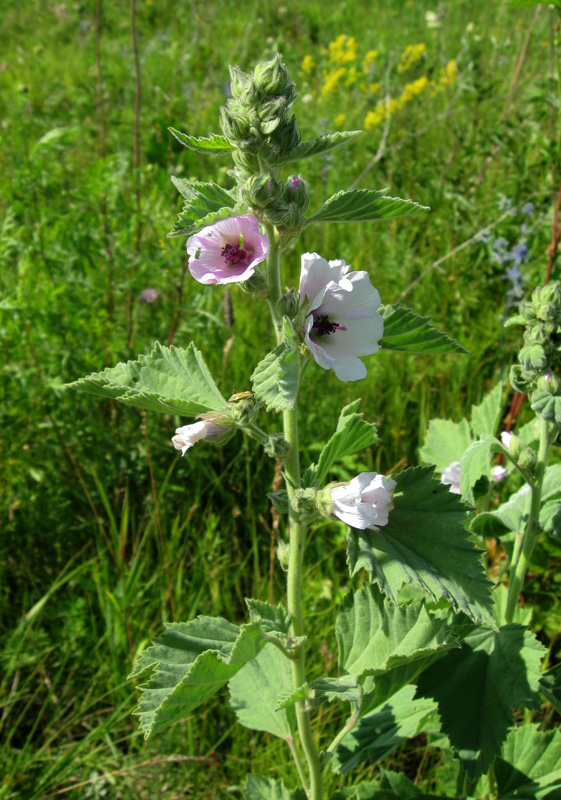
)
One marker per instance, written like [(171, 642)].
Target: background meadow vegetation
[(105, 531)]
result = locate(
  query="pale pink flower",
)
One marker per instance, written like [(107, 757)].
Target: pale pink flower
[(342, 319), (186, 436), (451, 477), (498, 473), (506, 439), (364, 502), (228, 251)]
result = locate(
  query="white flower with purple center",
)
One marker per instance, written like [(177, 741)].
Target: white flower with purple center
[(228, 251), (188, 435), (451, 477), (342, 319), (364, 502)]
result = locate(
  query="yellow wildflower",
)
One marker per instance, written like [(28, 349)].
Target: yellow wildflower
[(411, 54), (308, 65), (449, 73), (352, 77), (339, 120), (343, 50), (331, 81), (411, 90), (374, 88), (368, 60)]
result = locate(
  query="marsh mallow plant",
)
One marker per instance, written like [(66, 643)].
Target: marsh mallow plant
[(417, 631)]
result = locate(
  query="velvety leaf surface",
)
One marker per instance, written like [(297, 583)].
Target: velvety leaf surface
[(353, 433), (550, 684), (322, 144), (257, 787), (425, 543), (476, 467), (205, 204), (445, 442), (485, 417), (214, 145), (254, 693), (477, 687), (364, 205), (373, 636), (408, 332), (275, 379), (378, 734), (550, 518), (191, 661), (529, 766), (273, 619), (169, 380), (345, 688)]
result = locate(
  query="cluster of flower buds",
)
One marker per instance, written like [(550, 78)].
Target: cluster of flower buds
[(259, 122), (540, 358)]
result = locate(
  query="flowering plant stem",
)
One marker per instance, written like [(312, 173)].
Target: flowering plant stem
[(273, 269), (526, 541)]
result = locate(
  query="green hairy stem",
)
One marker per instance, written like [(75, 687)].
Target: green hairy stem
[(525, 542)]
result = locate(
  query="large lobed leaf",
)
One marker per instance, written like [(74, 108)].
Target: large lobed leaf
[(169, 380), (476, 467), (379, 733), (486, 416), (445, 442), (375, 636), (364, 205), (257, 787), (275, 379), (191, 661), (408, 332), (477, 687), (255, 690), (529, 767), (425, 543), (205, 204)]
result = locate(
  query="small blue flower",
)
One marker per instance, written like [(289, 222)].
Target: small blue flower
[(504, 203), (528, 209)]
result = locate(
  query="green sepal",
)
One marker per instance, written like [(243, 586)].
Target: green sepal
[(215, 145), (408, 332), (170, 380), (205, 204), (425, 543), (364, 205), (477, 686), (547, 406)]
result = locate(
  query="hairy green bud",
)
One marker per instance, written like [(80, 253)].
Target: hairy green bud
[(527, 458), (257, 285), (276, 446), (289, 305), (273, 78)]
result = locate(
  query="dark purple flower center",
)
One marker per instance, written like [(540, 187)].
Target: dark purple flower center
[(233, 254), (323, 326)]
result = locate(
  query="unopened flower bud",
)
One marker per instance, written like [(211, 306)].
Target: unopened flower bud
[(276, 446), (273, 78), (296, 192), (549, 383), (527, 458), (239, 80), (207, 428), (257, 286), (288, 305), (513, 443)]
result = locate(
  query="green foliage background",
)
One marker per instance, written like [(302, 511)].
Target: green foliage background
[(105, 530)]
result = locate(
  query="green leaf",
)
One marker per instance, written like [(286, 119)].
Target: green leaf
[(291, 697), (257, 787), (353, 433), (191, 661), (169, 380), (547, 406), (485, 417), (476, 468), (512, 515), (477, 686), (380, 689), (215, 145), (344, 688), (529, 767), (205, 204), (280, 500), (408, 332), (364, 205), (275, 379), (322, 144), (378, 734), (550, 684), (445, 442), (374, 636), (273, 619), (425, 543), (550, 518), (254, 693)]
